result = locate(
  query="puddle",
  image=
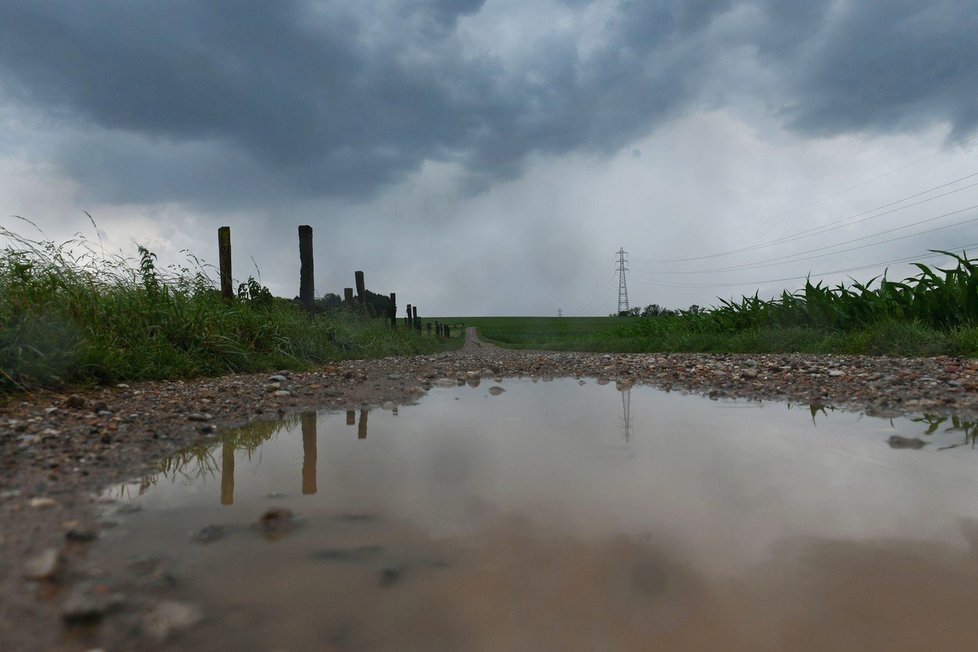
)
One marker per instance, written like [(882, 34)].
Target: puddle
[(560, 516)]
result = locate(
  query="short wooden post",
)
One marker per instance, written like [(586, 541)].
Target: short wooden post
[(348, 296), (393, 311), (409, 322), (307, 289), (308, 453), (224, 258), (361, 288)]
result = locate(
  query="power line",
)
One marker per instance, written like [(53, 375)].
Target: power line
[(801, 255), (854, 186), (830, 226), (906, 259)]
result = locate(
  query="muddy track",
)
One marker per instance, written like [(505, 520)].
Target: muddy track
[(59, 449)]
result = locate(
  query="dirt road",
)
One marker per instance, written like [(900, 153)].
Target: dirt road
[(58, 449)]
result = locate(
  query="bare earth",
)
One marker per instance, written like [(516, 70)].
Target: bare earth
[(59, 450)]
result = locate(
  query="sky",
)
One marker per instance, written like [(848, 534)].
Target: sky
[(491, 157)]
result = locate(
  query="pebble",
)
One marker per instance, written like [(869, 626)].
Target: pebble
[(282, 393), (168, 616), (44, 565), (42, 502), (199, 416), (496, 390), (277, 379)]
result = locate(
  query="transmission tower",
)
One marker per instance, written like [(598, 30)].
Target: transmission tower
[(622, 286)]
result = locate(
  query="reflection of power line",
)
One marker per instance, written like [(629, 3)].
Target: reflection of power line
[(626, 413)]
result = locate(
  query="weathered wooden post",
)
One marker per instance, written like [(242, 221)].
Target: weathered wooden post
[(361, 288), (446, 330), (393, 311), (414, 318), (348, 296), (224, 257), (308, 453), (408, 320), (307, 289)]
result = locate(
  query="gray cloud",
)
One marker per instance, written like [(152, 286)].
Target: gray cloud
[(232, 103)]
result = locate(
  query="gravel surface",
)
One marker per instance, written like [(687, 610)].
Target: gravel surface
[(59, 449)]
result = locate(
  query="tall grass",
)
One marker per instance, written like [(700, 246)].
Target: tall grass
[(933, 312), (71, 313)]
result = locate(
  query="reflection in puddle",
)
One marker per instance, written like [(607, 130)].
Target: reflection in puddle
[(558, 516)]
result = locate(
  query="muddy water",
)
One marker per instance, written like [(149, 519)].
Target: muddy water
[(560, 516)]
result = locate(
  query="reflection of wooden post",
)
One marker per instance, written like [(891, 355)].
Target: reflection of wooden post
[(361, 288), (393, 311), (351, 418), (227, 474), (348, 296), (307, 288), (308, 452), (362, 427), (224, 256)]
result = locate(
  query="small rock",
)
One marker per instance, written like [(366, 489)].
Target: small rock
[(394, 376), (84, 604), (282, 393), (100, 406), (750, 373), (42, 502), (496, 390), (915, 443), (209, 534), (445, 382), (836, 373), (277, 379), (122, 386), (199, 416), (75, 402), (168, 616), (43, 566), (81, 534), (276, 520)]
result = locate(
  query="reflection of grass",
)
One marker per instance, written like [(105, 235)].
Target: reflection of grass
[(199, 460), (953, 423)]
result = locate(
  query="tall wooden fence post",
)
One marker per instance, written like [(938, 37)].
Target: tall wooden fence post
[(361, 288), (393, 311), (409, 322), (307, 288), (414, 318), (224, 258)]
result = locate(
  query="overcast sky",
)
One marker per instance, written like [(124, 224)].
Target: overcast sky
[(491, 157)]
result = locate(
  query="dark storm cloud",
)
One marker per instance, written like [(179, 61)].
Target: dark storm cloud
[(881, 67), (227, 102)]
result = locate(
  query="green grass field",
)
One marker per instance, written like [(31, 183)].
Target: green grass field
[(553, 333)]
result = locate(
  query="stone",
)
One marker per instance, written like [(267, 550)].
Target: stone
[(209, 534), (44, 565), (75, 402), (42, 502), (85, 603), (282, 393), (200, 416), (277, 379), (836, 373), (445, 382), (168, 616), (496, 390), (914, 443), (276, 521)]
